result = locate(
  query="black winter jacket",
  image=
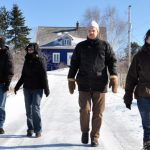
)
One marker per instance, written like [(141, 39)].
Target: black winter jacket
[(34, 74), (90, 61), (6, 66)]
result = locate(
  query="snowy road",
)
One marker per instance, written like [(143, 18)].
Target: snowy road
[(121, 129)]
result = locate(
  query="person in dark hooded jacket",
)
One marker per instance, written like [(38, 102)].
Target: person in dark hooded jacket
[(6, 74), (138, 82), (34, 80)]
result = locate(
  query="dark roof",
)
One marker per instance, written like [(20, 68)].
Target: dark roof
[(47, 34)]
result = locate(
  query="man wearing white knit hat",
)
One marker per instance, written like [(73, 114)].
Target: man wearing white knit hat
[(89, 64), (93, 23)]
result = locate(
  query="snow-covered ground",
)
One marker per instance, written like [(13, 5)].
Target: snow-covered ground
[(121, 128)]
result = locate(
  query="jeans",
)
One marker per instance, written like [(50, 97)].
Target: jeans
[(2, 105), (32, 105), (144, 109)]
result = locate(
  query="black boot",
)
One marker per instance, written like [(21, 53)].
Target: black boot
[(37, 135), (94, 142), (85, 138), (147, 145), (2, 131), (29, 133)]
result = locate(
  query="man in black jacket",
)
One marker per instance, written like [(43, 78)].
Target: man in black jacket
[(6, 74), (90, 61)]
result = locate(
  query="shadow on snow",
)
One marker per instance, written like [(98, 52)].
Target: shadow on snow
[(44, 146)]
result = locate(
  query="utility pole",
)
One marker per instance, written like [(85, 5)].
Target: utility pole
[(129, 35)]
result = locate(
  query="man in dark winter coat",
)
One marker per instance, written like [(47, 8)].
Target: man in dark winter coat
[(34, 80), (6, 74), (90, 61), (138, 82)]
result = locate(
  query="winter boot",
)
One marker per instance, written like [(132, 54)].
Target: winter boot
[(2, 131), (38, 134), (147, 145), (94, 142), (29, 133), (85, 138)]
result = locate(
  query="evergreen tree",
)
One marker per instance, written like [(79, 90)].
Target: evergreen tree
[(4, 21), (18, 32)]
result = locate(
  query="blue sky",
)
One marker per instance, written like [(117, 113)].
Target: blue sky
[(67, 12)]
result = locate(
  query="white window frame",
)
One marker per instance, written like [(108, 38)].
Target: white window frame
[(66, 42), (69, 55), (56, 57)]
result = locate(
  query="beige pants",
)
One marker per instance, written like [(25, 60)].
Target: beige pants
[(96, 100)]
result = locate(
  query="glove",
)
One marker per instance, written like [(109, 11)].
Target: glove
[(47, 92), (5, 88), (128, 106), (16, 89), (114, 84), (128, 100), (71, 86)]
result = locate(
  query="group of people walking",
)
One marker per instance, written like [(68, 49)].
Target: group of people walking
[(93, 65), (91, 61)]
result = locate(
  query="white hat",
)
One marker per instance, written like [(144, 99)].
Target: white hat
[(93, 23)]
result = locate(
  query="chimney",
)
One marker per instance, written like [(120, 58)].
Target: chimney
[(77, 25)]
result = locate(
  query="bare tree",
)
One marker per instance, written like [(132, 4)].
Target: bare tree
[(116, 28), (18, 59), (91, 14)]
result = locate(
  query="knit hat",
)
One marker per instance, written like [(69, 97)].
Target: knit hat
[(93, 23)]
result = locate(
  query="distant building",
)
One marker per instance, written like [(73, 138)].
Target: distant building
[(60, 50), (58, 43)]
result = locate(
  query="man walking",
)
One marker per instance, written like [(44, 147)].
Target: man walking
[(90, 61), (6, 74)]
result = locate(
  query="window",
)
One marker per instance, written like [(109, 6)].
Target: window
[(66, 42), (56, 57)]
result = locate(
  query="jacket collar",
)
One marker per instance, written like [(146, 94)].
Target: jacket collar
[(146, 48), (31, 56), (93, 42)]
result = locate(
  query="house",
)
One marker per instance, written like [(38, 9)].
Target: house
[(59, 51), (58, 43)]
